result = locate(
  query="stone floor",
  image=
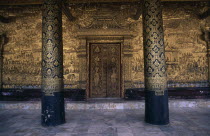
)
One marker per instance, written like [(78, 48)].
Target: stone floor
[(183, 122), (106, 104)]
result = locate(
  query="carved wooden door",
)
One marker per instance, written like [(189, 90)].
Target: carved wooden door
[(104, 70)]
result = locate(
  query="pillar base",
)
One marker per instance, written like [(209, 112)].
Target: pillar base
[(156, 108), (53, 110)]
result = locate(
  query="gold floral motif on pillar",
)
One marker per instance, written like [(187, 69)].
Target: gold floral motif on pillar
[(154, 52), (52, 47)]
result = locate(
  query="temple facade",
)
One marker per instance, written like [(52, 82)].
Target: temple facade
[(185, 48), (105, 49)]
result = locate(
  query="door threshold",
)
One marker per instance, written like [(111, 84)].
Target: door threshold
[(105, 100)]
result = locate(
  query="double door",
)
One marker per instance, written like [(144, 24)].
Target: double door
[(105, 70)]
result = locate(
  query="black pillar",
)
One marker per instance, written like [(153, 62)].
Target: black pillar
[(53, 111), (156, 94)]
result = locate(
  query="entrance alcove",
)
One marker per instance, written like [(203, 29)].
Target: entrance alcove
[(102, 62), (105, 27)]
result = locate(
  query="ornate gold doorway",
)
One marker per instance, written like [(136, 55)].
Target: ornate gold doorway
[(105, 70)]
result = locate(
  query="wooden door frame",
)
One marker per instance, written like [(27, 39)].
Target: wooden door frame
[(104, 40)]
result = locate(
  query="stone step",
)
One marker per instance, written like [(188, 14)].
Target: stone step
[(104, 104)]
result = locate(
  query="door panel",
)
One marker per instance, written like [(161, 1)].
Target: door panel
[(104, 70)]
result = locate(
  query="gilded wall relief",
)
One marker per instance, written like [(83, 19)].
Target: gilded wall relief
[(71, 70), (137, 69), (71, 60), (82, 58), (22, 54), (104, 16), (185, 51)]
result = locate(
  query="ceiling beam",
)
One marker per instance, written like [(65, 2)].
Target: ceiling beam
[(67, 12), (20, 2), (38, 2)]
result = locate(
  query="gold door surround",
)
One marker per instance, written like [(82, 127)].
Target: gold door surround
[(105, 70)]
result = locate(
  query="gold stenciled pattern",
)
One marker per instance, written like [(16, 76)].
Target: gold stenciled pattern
[(154, 53), (184, 49), (22, 52), (52, 48)]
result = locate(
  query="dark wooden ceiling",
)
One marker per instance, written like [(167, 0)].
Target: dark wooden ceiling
[(32, 2)]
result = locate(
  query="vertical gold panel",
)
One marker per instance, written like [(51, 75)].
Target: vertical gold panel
[(97, 73), (113, 70)]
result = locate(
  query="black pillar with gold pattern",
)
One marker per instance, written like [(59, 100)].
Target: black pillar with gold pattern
[(1, 60), (207, 39), (53, 112), (156, 94), (2, 43)]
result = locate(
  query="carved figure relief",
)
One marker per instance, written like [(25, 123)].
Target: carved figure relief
[(114, 78), (96, 77), (104, 16), (71, 69)]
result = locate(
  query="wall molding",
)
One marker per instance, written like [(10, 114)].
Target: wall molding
[(15, 94)]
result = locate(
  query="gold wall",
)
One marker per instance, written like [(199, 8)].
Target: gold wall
[(22, 53), (186, 51)]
